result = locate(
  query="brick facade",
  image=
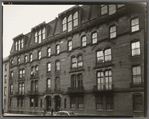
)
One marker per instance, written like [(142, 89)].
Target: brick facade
[(89, 21)]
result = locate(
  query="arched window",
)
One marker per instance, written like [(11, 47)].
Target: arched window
[(75, 19), (64, 24), (23, 73), (31, 57), (39, 55), (48, 83), (70, 22), (57, 49), (49, 52)]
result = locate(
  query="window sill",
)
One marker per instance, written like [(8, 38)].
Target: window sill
[(136, 56), (134, 32), (136, 85), (138, 111)]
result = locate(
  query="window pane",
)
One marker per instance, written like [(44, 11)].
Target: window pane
[(112, 9)]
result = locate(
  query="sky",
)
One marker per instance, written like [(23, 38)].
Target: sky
[(18, 19)]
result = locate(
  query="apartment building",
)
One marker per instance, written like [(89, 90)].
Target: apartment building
[(90, 59)]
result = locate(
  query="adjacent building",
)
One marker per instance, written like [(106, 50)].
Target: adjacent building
[(5, 83), (90, 59)]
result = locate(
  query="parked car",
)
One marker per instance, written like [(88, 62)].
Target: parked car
[(64, 113)]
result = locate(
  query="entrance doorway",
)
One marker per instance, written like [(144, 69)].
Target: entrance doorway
[(48, 100), (57, 103)]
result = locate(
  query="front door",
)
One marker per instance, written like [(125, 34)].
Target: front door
[(57, 103), (48, 100)]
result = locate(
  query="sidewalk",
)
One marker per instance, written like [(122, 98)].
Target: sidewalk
[(11, 114)]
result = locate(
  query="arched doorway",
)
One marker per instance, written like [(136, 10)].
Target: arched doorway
[(57, 103)]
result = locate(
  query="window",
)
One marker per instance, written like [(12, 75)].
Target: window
[(109, 103), (64, 24), (74, 62), (25, 59), (80, 62), (40, 102), (134, 24), (34, 71), (72, 102), (43, 33), (10, 102), (49, 52), (22, 43), (18, 60), (80, 102), (138, 102), (36, 37), (65, 103), (36, 85), (104, 80), (36, 102), (12, 62), (5, 80), (103, 9), (5, 90), (57, 65), (113, 32), (11, 74), (31, 102), (22, 102), (49, 66), (48, 83), (57, 83), (76, 102), (36, 68), (5, 67), (75, 19), (31, 57), (16, 45), (83, 41), (39, 55), (94, 37), (57, 49), (20, 88), (69, 45), (112, 9), (136, 75), (99, 102), (11, 89), (77, 61), (104, 56), (77, 81), (21, 73), (39, 36), (135, 47), (19, 45), (70, 22)]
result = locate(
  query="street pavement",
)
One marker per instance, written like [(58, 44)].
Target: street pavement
[(11, 114)]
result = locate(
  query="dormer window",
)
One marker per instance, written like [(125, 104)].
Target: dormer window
[(70, 22), (75, 19), (39, 35), (19, 44), (64, 24)]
